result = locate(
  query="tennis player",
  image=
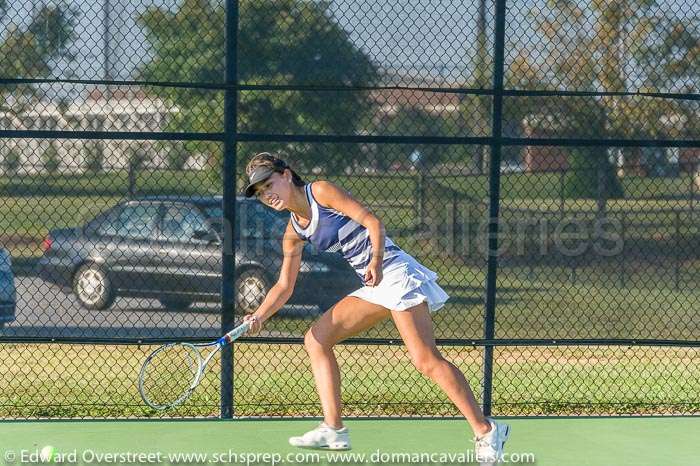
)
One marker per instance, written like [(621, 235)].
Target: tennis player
[(395, 284)]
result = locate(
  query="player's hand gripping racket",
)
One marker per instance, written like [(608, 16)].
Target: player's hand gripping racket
[(172, 372)]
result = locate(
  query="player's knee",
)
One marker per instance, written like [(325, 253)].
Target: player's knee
[(426, 363), (313, 344)]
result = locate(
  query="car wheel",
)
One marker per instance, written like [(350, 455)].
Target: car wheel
[(92, 287), (173, 304), (251, 288)]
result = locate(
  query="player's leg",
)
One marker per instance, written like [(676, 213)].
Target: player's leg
[(348, 317), (416, 329)]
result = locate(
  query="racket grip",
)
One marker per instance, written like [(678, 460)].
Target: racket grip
[(233, 334)]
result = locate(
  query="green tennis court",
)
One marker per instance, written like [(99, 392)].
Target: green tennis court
[(555, 441)]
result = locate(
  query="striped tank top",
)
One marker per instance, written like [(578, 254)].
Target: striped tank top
[(332, 231)]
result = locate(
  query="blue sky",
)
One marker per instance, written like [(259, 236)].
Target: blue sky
[(415, 36)]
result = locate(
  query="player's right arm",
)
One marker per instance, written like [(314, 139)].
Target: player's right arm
[(279, 294)]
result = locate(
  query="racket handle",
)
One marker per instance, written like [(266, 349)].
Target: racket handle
[(233, 334)]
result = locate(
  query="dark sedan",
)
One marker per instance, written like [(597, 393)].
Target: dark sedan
[(8, 295), (170, 248)]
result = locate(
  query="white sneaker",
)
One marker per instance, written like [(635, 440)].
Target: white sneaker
[(324, 437), (489, 447)]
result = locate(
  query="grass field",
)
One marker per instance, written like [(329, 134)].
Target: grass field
[(550, 306), (109, 184), (549, 186), (63, 380)]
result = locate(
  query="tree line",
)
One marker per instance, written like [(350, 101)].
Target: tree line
[(586, 46)]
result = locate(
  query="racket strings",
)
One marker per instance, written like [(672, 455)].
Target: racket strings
[(169, 375)]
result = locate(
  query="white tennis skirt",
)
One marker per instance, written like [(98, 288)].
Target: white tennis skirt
[(405, 284)]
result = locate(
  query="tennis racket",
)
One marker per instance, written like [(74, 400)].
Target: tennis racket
[(170, 374)]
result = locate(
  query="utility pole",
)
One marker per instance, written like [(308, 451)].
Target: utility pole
[(107, 40), (482, 61)]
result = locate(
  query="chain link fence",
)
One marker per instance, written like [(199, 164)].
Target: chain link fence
[(542, 157)]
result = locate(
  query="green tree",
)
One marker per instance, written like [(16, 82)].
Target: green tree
[(672, 64), (289, 42), (28, 51), (589, 174), (413, 121), (602, 40)]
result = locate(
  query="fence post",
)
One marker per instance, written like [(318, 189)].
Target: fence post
[(531, 241), (467, 234), (573, 263), (677, 255), (694, 177), (494, 201), (455, 223), (420, 194), (623, 258), (228, 273), (132, 175), (562, 193), (602, 188)]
